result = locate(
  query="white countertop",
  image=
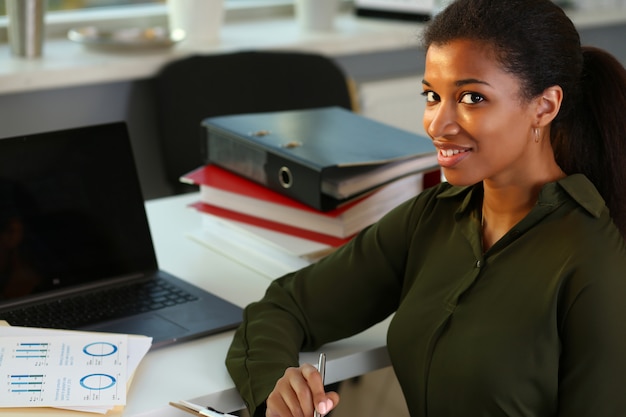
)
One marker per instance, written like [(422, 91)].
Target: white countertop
[(66, 64)]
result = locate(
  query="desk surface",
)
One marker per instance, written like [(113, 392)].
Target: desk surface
[(195, 370)]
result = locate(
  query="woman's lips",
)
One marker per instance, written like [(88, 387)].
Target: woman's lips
[(449, 156)]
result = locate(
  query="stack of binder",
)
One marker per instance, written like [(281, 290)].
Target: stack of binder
[(231, 196), (320, 174)]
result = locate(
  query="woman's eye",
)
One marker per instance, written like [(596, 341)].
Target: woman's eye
[(471, 98), (431, 96)]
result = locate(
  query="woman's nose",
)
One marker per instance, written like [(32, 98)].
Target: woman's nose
[(440, 120)]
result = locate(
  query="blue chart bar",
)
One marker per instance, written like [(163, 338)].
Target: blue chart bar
[(31, 351), (26, 383)]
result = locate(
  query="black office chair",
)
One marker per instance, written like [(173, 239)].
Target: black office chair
[(194, 88)]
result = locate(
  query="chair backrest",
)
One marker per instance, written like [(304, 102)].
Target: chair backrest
[(194, 88)]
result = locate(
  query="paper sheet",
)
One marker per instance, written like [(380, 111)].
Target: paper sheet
[(64, 370), (243, 246), (136, 349)]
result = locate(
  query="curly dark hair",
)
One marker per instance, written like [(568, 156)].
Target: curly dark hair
[(537, 42)]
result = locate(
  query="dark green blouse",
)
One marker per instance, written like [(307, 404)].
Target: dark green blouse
[(536, 326)]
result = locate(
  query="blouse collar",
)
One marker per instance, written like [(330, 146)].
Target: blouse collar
[(575, 187)]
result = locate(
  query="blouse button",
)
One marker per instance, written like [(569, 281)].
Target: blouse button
[(479, 263)]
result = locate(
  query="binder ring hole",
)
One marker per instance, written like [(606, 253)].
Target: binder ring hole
[(284, 177)]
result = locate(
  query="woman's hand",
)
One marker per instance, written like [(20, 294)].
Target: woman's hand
[(298, 393)]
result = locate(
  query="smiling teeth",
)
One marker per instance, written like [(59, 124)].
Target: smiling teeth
[(451, 152)]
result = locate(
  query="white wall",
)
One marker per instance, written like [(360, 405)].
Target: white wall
[(397, 102)]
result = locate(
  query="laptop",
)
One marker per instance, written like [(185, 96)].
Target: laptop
[(75, 245)]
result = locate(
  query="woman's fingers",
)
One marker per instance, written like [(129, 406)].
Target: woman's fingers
[(322, 403), (291, 396), (324, 407), (298, 392)]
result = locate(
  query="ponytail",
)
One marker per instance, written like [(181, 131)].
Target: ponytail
[(592, 140)]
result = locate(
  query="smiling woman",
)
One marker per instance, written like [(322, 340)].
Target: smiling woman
[(506, 283), (476, 117)]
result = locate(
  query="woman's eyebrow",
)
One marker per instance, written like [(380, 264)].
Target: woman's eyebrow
[(463, 82), (466, 81)]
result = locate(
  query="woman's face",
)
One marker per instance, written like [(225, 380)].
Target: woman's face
[(475, 115)]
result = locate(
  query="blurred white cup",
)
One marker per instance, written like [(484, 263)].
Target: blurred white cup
[(316, 15), (201, 20)]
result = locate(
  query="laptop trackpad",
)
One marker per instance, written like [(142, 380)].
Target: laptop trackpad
[(149, 324)]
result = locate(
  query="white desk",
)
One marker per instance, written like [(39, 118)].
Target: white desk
[(195, 370)]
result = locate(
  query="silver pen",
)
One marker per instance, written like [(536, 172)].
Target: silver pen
[(321, 367)]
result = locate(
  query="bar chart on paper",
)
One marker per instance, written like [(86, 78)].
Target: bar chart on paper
[(68, 371)]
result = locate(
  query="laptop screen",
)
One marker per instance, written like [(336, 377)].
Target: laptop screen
[(71, 210)]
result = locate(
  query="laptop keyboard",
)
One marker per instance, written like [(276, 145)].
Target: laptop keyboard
[(76, 311)]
